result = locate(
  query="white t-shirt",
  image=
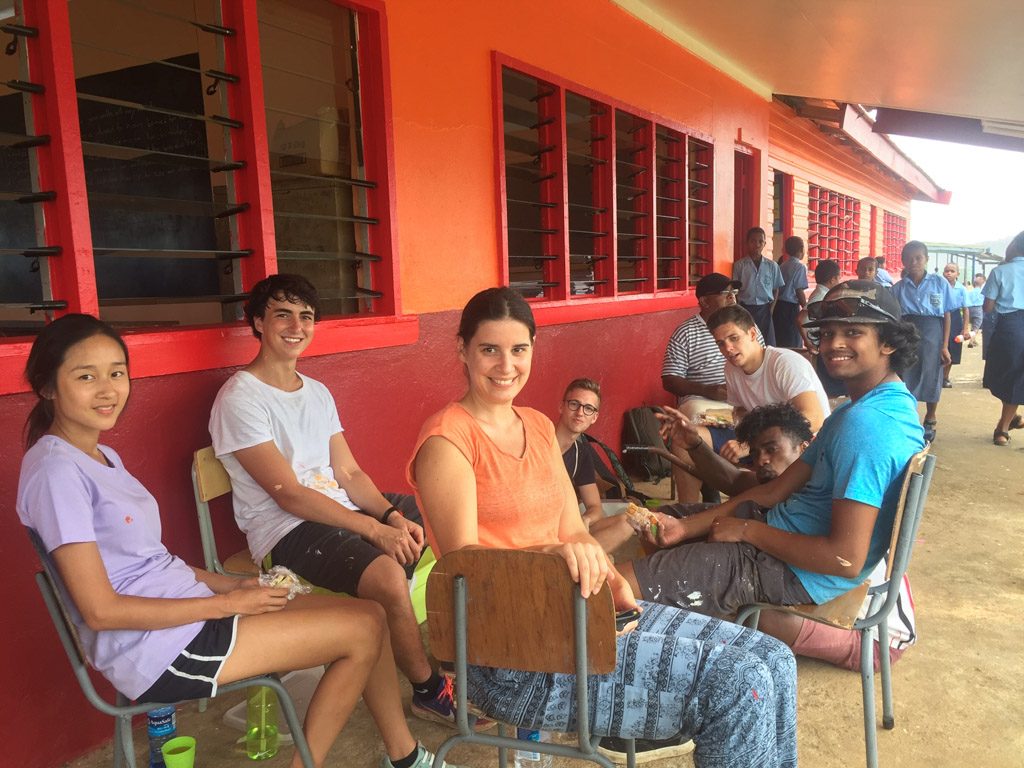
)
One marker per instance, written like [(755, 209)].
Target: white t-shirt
[(783, 375), (248, 412)]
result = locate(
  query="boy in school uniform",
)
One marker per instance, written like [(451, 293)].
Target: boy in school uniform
[(761, 280)]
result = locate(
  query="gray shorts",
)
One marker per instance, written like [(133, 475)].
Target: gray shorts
[(716, 579)]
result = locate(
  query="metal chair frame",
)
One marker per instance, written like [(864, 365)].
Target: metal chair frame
[(586, 742), (883, 597), (58, 604)]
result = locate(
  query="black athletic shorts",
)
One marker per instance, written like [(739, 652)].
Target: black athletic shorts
[(193, 675)]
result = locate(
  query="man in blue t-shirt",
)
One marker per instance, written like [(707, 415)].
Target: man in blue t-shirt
[(819, 528)]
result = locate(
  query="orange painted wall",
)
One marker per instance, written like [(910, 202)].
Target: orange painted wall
[(798, 148), (445, 164)]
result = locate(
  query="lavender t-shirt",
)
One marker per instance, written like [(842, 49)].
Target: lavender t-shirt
[(70, 498)]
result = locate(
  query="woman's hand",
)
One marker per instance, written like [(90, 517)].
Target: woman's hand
[(588, 565), (251, 600), (395, 542)]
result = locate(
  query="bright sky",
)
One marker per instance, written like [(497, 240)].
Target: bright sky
[(987, 186)]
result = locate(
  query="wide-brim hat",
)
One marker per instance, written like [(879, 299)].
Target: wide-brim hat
[(855, 301)]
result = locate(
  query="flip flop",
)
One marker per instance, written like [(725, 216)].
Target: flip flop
[(1017, 422), (999, 435)]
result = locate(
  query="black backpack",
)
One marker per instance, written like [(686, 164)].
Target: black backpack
[(619, 482), (641, 427)]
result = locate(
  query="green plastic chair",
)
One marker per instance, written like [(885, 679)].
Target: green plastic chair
[(843, 611), (61, 608)]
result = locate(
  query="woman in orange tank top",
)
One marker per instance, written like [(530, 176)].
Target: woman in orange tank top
[(489, 473)]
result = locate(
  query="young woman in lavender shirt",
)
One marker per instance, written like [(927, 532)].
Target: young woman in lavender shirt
[(156, 628)]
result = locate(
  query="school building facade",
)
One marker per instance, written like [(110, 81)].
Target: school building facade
[(158, 157)]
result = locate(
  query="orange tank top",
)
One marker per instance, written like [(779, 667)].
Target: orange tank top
[(518, 500)]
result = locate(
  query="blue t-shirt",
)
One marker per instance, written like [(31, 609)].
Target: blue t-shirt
[(759, 281), (932, 297), (860, 454), (1005, 286), (794, 274)]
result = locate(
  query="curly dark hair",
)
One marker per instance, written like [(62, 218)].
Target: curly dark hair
[(904, 339), (788, 419), (293, 288)]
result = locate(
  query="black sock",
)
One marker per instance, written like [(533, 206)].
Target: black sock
[(429, 686), (409, 759)]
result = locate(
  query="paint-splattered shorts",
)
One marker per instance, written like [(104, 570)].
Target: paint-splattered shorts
[(335, 558), (716, 579)]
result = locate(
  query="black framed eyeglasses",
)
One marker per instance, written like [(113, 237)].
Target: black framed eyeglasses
[(847, 308), (576, 405)]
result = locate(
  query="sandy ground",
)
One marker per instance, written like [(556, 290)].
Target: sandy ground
[(956, 702)]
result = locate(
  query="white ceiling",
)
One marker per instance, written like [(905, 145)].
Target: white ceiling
[(951, 57)]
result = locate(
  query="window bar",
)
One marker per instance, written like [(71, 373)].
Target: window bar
[(33, 75), (602, 181), (553, 167), (699, 161), (670, 224)]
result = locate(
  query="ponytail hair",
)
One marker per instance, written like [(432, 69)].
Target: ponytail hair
[(48, 352)]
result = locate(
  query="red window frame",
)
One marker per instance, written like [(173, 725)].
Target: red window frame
[(833, 228), (613, 297), (61, 168), (894, 236)]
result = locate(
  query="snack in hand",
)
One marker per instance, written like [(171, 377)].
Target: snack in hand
[(717, 417), (280, 577), (642, 519)]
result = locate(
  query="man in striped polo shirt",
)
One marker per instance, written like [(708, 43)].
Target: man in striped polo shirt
[(694, 370)]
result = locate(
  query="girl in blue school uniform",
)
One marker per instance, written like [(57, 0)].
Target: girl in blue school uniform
[(1004, 366), (926, 301)]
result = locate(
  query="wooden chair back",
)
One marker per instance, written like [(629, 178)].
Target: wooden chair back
[(519, 612), (914, 467), (212, 479)]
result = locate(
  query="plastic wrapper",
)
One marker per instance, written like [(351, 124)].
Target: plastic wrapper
[(279, 576)]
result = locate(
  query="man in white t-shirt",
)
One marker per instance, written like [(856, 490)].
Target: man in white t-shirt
[(760, 376), (694, 371), (299, 494)]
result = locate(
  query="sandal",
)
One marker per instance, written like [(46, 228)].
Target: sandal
[(1017, 422), (929, 431), (1000, 438)]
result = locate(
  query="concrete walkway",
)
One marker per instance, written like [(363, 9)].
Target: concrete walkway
[(956, 695)]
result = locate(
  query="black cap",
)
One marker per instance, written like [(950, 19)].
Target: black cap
[(855, 301), (716, 282)]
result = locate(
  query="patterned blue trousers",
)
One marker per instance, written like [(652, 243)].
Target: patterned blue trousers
[(732, 690)]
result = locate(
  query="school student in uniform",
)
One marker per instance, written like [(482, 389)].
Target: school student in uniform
[(926, 300)]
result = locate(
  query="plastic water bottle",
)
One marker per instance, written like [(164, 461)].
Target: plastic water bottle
[(523, 759), (161, 727), (261, 723)]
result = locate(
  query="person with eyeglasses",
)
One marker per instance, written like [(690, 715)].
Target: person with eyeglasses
[(577, 413), (694, 371), (819, 528)]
